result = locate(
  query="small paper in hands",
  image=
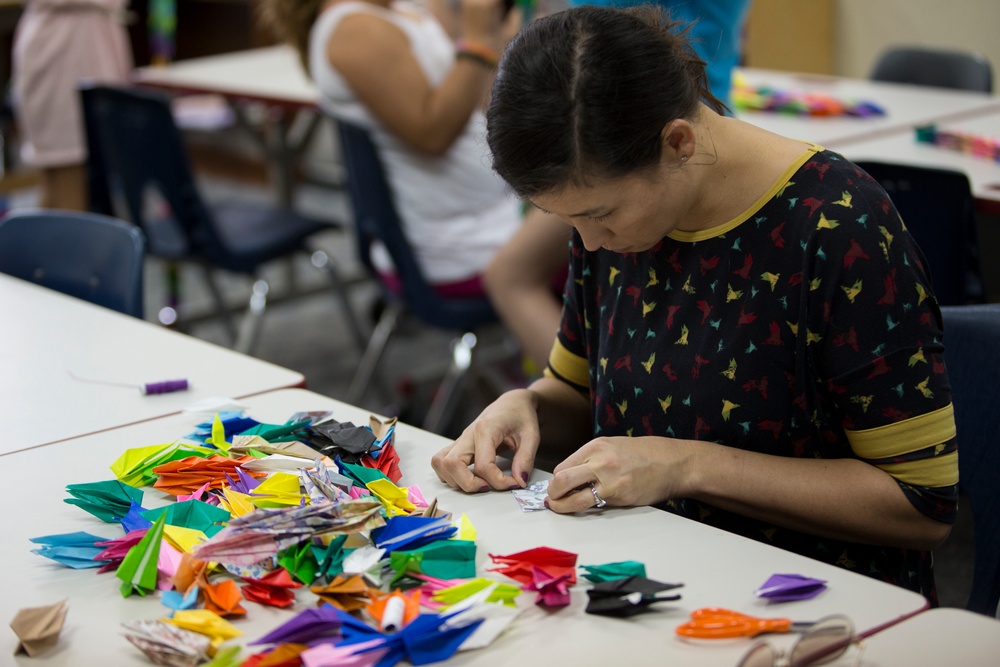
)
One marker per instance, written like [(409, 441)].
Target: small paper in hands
[(532, 497), (790, 587)]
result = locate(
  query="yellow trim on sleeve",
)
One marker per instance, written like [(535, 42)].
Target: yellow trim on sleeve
[(910, 435), (937, 471), (568, 365)]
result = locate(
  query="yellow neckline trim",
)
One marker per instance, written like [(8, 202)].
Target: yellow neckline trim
[(718, 230)]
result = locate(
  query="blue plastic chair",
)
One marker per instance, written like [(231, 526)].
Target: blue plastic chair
[(972, 356), (138, 168), (934, 67), (376, 219), (86, 255), (938, 208)]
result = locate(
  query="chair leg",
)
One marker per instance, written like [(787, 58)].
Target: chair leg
[(250, 327), (443, 406), (365, 373), (220, 303), (322, 262)]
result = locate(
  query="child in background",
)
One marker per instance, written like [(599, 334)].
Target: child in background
[(58, 44)]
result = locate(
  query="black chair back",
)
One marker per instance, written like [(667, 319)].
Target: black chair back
[(972, 356), (938, 208), (86, 255), (934, 67), (376, 219), (138, 161)]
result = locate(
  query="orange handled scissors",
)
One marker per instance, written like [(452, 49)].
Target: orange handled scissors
[(716, 623)]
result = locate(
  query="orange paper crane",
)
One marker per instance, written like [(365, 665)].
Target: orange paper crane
[(190, 474), (346, 593)]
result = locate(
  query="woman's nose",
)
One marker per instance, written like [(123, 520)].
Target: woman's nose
[(594, 237)]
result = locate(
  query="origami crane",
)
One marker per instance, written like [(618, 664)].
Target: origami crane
[(411, 532), (346, 593), (553, 591), (553, 562), (189, 474), (138, 570), (307, 627), (790, 587), (628, 596), (273, 589), (76, 550), (251, 538), (300, 561), (166, 644), (610, 571), (109, 501), (38, 628)]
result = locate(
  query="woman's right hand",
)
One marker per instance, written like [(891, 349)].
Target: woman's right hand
[(509, 423)]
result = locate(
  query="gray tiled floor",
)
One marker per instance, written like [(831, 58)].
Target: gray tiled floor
[(307, 334)]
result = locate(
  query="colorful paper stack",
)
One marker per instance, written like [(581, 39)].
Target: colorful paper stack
[(963, 142), (798, 103)]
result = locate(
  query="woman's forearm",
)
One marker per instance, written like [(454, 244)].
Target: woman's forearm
[(839, 498)]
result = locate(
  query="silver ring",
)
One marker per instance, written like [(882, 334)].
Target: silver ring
[(598, 501)]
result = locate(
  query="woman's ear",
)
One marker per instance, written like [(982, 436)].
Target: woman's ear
[(679, 142)]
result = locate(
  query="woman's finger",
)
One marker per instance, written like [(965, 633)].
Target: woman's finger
[(579, 500), (452, 466), (568, 480)]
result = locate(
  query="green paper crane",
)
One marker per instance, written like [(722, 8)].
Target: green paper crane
[(612, 571), (195, 514), (138, 570), (444, 559), (300, 561), (330, 559), (277, 432), (109, 501)]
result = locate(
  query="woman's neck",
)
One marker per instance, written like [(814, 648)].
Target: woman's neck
[(739, 159)]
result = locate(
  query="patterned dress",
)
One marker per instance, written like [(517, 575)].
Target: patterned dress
[(805, 327)]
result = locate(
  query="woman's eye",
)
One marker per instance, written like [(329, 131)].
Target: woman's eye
[(601, 218)]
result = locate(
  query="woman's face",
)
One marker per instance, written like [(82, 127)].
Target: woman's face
[(627, 214)]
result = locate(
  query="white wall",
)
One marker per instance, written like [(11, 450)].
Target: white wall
[(863, 28)]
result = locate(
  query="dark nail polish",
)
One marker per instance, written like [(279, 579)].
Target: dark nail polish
[(524, 477), (513, 487), (546, 503), (484, 488)]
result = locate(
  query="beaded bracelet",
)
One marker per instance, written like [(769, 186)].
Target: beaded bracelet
[(477, 52)]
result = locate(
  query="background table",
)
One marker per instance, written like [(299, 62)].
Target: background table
[(274, 76), (46, 335), (717, 568), (984, 174), (271, 75), (937, 637), (906, 106)]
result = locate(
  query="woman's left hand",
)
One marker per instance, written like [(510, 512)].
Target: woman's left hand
[(624, 472)]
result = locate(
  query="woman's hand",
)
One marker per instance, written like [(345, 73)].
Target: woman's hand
[(509, 423), (625, 472)]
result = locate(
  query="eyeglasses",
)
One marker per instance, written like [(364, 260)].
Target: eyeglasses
[(827, 639)]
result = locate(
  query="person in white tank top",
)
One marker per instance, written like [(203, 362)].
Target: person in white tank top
[(391, 67)]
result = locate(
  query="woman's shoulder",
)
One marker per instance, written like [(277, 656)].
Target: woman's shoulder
[(394, 12)]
